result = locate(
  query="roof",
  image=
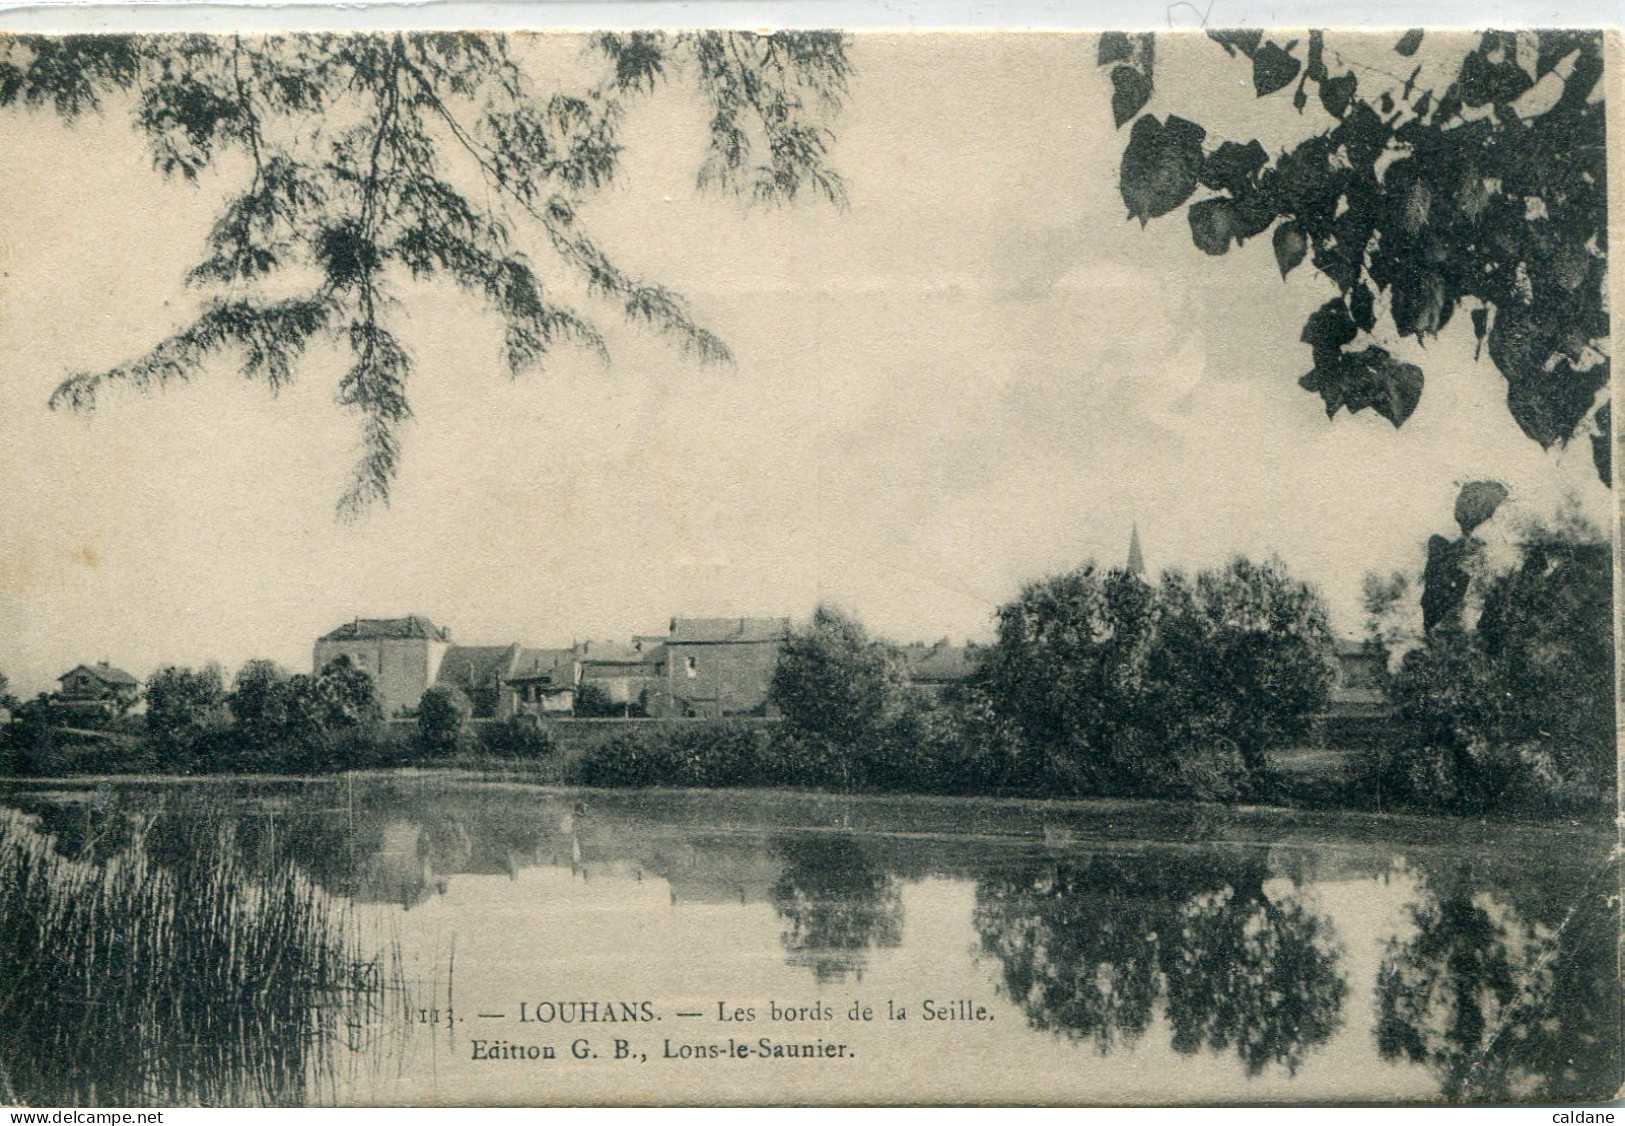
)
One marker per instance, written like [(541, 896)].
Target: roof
[(717, 631), (476, 666), (939, 662), (388, 629), (609, 653), (105, 673), (555, 667)]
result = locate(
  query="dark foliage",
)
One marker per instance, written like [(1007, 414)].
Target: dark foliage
[(836, 686), (297, 722), (711, 754), (182, 705), (593, 701), (518, 737), (1117, 686), (442, 719), (380, 159), (1517, 712), (1490, 196)]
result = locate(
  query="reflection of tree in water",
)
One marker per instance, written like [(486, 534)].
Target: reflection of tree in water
[(836, 904), (1255, 974), (96, 829), (1502, 1005), (1080, 944), (1089, 947), (397, 849)]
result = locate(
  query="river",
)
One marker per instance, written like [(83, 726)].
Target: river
[(529, 944)]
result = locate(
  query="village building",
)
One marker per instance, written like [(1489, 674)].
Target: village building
[(935, 670), (720, 666), (402, 655), (481, 673), (543, 682), (622, 679), (1358, 712), (97, 688)]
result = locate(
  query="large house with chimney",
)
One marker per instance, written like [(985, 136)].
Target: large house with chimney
[(402, 655)]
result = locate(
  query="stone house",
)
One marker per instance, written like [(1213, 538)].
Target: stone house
[(402, 655), (719, 666)]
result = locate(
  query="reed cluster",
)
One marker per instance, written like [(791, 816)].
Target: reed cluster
[(188, 968)]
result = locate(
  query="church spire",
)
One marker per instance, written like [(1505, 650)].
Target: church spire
[(1136, 559)]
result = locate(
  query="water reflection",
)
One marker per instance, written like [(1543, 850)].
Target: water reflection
[(1089, 948), (836, 904), (1501, 1004), (1473, 968)]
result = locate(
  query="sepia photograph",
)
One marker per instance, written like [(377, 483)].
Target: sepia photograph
[(808, 567)]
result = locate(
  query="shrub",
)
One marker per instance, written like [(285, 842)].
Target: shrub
[(593, 702), (713, 754), (442, 717), (633, 759), (517, 737), (31, 747)]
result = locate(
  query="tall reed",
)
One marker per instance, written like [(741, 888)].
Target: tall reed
[(191, 968)]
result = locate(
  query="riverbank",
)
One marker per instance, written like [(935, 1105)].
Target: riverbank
[(1051, 820), (740, 754)]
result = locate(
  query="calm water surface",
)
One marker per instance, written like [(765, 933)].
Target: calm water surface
[(1113, 952)]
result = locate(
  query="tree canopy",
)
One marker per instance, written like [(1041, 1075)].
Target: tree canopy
[(375, 160), (1178, 688), (1414, 202)]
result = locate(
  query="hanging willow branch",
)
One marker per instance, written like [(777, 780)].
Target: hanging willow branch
[(357, 142)]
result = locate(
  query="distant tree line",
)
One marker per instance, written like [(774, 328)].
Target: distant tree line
[(1098, 683), (267, 721)]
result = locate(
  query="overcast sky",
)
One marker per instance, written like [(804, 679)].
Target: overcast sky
[(978, 374)]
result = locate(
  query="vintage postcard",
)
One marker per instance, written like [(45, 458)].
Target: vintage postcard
[(784, 567)]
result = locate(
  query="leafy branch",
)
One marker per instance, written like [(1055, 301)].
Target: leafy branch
[(1490, 196), (356, 142)]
